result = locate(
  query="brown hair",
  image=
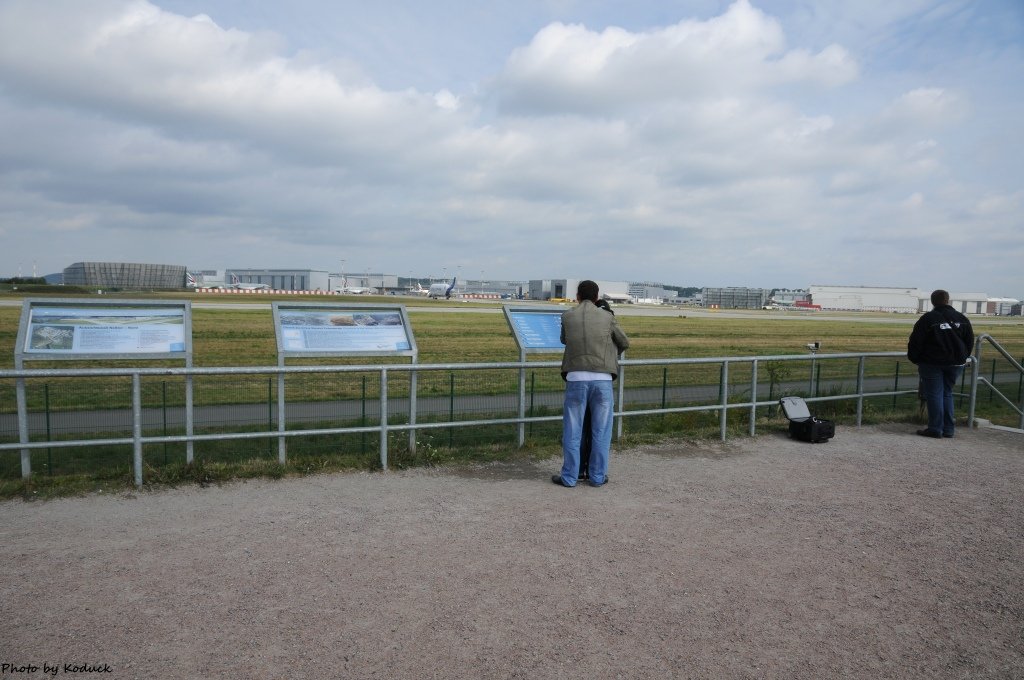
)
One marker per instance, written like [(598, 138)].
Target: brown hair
[(939, 298)]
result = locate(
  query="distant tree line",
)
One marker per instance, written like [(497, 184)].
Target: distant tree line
[(18, 280)]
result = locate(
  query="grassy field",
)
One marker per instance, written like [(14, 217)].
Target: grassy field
[(245, 337)]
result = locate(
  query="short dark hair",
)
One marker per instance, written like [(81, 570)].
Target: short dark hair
[(939, 298), (587, 290)]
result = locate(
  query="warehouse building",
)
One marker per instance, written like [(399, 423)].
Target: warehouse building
[(868, 298), (903, 300), (565, 289), (280, 279), (734, 298), (130, 275)]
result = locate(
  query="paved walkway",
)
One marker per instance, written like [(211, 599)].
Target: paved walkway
[(877, 555)]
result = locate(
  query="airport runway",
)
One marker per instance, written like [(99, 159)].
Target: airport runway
[(416, 305)]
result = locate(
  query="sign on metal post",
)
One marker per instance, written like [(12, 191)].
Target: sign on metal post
[(537, 330), (343, 330), (80, 329), (72, 329)]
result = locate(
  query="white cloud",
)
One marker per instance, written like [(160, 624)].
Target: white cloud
[(682, 152), (569, 68)]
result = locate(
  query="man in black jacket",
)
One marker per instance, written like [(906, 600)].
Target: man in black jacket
[(940, 343)]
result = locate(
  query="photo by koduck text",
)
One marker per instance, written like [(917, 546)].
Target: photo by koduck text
[(54, 669)]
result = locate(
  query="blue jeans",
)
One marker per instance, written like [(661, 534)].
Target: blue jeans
[(579, 396), (938, 382)]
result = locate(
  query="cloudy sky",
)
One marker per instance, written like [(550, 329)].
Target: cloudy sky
[(769, 143)]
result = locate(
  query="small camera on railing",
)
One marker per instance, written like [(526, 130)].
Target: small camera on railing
[(814, 346)]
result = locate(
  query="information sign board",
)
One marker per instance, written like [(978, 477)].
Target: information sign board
[(87, 329), (536, 329), (324, 329)]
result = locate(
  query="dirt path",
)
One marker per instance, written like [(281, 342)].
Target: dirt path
[(880, 554)]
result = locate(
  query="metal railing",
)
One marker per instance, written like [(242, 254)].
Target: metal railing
[(635, 397), (978, 379)]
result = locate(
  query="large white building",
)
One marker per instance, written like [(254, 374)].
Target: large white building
[(902, 300), (867, 298)]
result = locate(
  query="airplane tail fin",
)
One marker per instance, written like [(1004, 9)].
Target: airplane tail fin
[(448, 291)]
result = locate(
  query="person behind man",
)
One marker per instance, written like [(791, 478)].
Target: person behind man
[(940, 343), (593, 341)]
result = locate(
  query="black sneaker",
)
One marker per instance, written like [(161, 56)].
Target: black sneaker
[(929, 433), (557, 479)]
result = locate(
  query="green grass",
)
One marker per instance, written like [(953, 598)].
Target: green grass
[(239, 337)]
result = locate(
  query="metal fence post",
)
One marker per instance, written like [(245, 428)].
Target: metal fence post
[(724, 389), (664, 385), (533, 396), (412, 412), (451, 408), (190, 446), (281, 446), (622, 397), (163, 409), (973, 400), (49, 433), (362, 418), (896, 384), (753, 398), (860, 391), (384, 418), (991, 390), (26, 454), (522, 398), (137, 427)]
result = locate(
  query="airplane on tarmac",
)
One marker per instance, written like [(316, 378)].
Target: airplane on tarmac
[(353, 290), (247, 286), (420, 290), (778, 304), (442, 289)]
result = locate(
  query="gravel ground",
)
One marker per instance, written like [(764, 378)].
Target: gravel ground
[(879, 554)]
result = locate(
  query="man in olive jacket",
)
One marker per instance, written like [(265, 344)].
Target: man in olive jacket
[(940, 343), (593, 341)]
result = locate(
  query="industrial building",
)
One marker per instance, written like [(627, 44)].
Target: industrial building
[(787, 296), (280, 279), (381, 283), (904, 300), (130, 275), (547, 289), (648, 292), (868, 298), (734, 298)]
